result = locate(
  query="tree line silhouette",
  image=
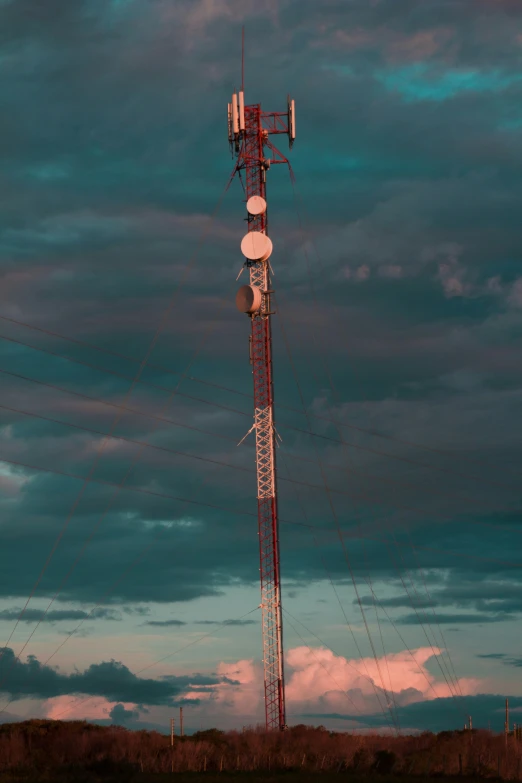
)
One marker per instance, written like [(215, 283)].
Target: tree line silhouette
[(77, 750)]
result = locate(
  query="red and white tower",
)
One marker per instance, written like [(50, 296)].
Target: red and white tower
[(249, 131)]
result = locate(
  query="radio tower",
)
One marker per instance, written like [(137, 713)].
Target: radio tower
[(249, 131)]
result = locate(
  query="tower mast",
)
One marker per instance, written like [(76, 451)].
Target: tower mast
[(249, 131)]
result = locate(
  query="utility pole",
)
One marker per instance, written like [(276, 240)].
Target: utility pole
[(249, 131), (172, 744), (181, 721), (506, 724)]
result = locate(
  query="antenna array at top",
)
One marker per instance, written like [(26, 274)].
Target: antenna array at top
[(236, 120)]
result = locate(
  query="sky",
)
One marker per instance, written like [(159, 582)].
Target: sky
[(129, 579)]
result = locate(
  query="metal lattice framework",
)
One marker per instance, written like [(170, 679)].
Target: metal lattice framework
[(250, 146)]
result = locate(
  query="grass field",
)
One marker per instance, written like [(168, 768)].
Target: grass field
[(294, 776)]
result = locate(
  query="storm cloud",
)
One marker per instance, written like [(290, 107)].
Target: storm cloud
[(109, 679), (399, 314)]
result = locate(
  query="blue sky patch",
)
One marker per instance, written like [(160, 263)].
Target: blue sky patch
[(419, 82)]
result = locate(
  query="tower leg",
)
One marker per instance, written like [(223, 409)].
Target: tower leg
[(261, 347), (250, 141)]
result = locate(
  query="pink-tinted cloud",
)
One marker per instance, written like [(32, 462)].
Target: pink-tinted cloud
[(321, 678), (198, 16), (395, 47), (352, 39), (225, 702), (362, 272), (450, 272), (317, 680), (451, 281), (421, 46), (71, 708), (163, 223), (391, 270)]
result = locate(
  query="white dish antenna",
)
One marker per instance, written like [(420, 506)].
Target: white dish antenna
[(256, 205), (256, 246), (248, 299)]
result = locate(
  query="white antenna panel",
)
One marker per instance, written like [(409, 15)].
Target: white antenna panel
[(235, 121), (256, 246), (230, 133), (292, 119), (248, 299), (256, 205), (241, 111)]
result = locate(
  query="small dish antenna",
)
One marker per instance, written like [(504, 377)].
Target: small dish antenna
[(256, 205)]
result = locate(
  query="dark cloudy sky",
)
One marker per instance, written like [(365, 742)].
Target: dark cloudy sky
[(399, 297)]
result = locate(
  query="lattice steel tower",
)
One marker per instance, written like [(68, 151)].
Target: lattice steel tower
[(249, 131)]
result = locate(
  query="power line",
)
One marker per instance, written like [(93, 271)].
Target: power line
[(312, 527), (420, 669), (162, 324), (60, 422), (464, 555), (106, 595), (432, 604), (321, 436), (232, 511), (230, 409), (343, 690), (164, 369), (322, 354), (346, 553), (220, 463), (125, 574), (109, 352), (94, 529), (110, 590), (125, 439), (390, 700), (336, 521), (310, 277), (452, 685), (305, 516), (438, 656), (139, 490), (165, 657), (127, 409), (200, 430)]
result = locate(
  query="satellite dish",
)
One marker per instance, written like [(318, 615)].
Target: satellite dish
[(248, 299), (256, 205), (256, 246)]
